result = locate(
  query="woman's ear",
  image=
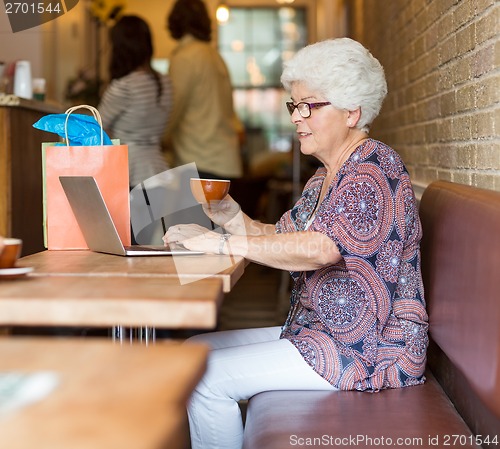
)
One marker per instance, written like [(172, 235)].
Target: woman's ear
[(353, 117)]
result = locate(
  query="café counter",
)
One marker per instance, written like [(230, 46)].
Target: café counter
[(21, 212)]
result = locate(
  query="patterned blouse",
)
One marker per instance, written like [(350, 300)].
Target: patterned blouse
[(362, 323)]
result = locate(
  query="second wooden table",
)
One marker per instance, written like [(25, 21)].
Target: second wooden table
[(110, 301)]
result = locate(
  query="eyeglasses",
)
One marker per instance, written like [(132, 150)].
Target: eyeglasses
[(304, 108)]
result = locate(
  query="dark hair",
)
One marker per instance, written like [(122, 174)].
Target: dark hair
[(132, 47), (190, 17)]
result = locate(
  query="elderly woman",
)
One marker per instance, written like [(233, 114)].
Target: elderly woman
[(357, 319)]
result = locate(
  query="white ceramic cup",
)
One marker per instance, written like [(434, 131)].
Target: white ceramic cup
[(22, 80)]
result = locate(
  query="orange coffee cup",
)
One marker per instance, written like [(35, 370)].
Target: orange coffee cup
[(10, 252), (209, 190)]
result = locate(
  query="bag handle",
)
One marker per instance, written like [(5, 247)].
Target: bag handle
[(95, 113)]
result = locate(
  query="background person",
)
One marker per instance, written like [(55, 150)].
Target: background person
[(204, 127), (357, 319), (136, 105)]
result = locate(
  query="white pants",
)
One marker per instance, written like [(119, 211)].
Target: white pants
[(241, 364)]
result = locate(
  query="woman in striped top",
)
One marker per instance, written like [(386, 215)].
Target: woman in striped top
[(136, 105)]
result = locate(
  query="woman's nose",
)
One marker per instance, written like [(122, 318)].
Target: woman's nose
[(295, 117)]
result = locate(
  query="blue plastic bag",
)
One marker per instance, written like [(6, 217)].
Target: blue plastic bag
[(83, 130)]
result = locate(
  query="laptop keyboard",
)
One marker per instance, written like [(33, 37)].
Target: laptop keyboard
[(146, 248)]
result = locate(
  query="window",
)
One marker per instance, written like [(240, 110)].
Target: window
[(254, 43)]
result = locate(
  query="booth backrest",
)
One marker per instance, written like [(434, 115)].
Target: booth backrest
[(461, 273)]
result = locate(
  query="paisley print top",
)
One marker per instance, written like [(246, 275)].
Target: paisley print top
[(362, 323)]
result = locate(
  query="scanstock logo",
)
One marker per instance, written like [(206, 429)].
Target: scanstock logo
[(25, 15)]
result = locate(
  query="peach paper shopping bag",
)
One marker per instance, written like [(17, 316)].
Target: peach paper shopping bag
[(108, 164)]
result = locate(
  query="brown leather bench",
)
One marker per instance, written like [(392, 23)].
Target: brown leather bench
[(459, 405)]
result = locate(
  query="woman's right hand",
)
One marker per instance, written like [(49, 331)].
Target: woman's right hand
[(222, 211)]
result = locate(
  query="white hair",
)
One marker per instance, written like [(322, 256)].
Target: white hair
[(343, 72)]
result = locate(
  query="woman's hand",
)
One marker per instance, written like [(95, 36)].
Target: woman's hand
[(193, 237), (223, 211)]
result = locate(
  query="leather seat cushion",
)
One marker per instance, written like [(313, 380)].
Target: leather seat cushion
[(278, 419)]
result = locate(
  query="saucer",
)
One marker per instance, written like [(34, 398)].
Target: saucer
[(13, 273)]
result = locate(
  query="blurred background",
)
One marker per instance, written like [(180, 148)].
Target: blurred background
[(440, 56)]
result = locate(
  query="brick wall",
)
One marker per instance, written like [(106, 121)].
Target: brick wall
[(441, 59)]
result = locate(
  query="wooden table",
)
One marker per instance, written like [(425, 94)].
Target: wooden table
[(89, 289), (107, 397), (104, 301), (85, 288), (185, 269)]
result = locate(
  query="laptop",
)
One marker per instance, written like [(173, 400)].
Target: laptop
[(96, 223)]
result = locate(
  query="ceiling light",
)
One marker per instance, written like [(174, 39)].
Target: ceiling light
[(222, 13)]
